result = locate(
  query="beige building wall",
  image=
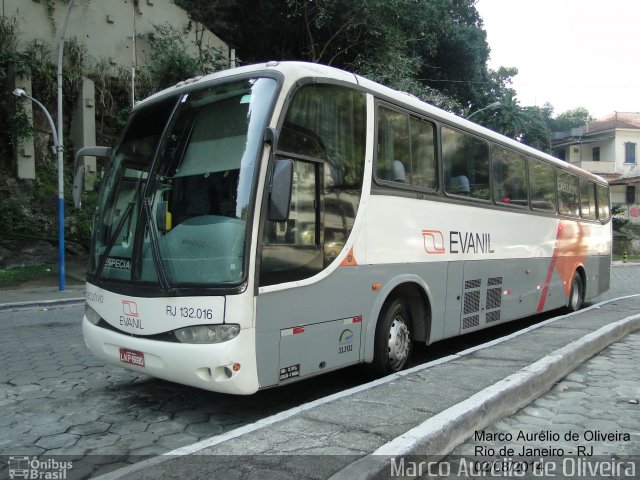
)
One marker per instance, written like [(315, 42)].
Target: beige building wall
[(115, 30), (108, 27)]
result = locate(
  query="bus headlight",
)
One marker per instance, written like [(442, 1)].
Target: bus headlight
[(207, 333), (92, 315)]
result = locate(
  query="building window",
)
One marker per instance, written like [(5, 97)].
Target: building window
[(629, 152), (631, 194), (596, 154)]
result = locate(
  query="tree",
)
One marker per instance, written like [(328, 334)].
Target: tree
[(574, 118), (436, 49)]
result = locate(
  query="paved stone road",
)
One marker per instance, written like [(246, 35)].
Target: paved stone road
[(606, 393), (56, 398)]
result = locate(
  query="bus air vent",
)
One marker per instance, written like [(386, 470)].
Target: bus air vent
[(494, 298), (471, 302), (472, 284), (470, 322)]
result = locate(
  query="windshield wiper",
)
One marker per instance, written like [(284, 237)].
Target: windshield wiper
[(112, 241), (128, 215)]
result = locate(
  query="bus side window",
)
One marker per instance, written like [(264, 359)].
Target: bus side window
[(604, 210), (509, 177), (542, 186), (406, 150), (393, 159), (466, 163), (587, 199), (568, 197)]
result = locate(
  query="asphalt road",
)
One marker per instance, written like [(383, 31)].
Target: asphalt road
[(56, 398)]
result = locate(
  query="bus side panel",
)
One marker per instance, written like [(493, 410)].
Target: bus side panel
[(522, 280), (604, 274), (455, 275), (345, 294)]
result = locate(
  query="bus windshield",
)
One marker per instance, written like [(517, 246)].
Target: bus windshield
[(175, 202)]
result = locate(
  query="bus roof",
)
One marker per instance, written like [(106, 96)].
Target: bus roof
[(295, 71)]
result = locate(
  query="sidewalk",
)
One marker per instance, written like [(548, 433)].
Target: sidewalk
[(425, 412), (43, 292)]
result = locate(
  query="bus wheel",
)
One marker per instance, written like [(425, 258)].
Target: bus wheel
[(394, 339), (576, 297)]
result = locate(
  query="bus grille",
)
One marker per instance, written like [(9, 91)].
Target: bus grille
[(482, 302), (471, 321), (471, 302), (494, 298), (469, 284)]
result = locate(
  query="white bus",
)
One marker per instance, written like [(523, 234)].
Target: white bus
[(273, 222)]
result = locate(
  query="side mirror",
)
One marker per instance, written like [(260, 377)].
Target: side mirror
[(280, 191), (79, 170)]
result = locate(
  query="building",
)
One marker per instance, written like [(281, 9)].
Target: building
[(608, 147), (116, 30)]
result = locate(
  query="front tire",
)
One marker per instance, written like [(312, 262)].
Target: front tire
[(394, 339), (576, 297)]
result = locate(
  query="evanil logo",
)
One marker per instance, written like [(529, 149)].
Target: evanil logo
[(131, 315), (458, 242)]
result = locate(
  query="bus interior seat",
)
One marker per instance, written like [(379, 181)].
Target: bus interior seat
[(399, 173), (459, 185)]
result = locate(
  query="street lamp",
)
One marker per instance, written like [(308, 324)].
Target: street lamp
[(19, 92), (491, 106)]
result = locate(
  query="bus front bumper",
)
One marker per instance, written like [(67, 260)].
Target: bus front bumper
[(228, 367)]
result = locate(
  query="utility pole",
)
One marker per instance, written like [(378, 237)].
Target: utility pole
[(61, 266)]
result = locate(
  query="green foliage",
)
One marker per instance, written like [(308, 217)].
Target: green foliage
[(13, 121), (405, 44), (577, 117), (11, 277), (171, 62), (29, 208), (113, 99)]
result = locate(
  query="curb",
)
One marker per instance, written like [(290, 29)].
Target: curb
[(42, 303), (441, 433)]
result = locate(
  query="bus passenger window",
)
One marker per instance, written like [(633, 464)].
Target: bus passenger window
[(423, 154), (406, 150), (542, 185), (587, 199), (466, 164), (568, 199), (604, 210), (393, 160), (509, 177)]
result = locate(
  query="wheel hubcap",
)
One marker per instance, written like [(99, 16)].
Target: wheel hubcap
[(399, 343)]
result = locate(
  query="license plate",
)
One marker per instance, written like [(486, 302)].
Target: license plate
[(132, 357)]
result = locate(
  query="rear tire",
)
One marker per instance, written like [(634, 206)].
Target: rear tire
[(394, 339), (576, 297)]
